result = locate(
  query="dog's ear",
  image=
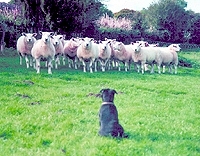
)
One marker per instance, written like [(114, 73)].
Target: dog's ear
[(101, 91), (115, 91)]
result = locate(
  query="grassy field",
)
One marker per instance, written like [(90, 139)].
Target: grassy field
[(55, 115)]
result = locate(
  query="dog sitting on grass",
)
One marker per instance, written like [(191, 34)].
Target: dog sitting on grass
[(108, 116)]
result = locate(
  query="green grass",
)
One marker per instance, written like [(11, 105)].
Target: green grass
[(57, 114)]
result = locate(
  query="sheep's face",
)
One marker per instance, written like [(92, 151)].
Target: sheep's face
[(117, 46), (75, 42), (46, 36), (87, 43), (104, 45), (175, 47), (29, 37), (136, 46), (56, 39)]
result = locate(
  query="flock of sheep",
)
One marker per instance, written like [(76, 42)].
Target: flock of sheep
[(92, 54)]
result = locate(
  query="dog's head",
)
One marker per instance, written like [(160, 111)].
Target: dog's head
[(108, 94)]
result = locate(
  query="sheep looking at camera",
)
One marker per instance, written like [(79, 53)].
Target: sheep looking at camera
[(24, 46), (123, 53), (104, 53), (88, 51), (44, 49), (59, 49), (143, 55)]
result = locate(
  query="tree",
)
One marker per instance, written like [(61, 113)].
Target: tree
[(169, 16), (9, 16), (60, 15)]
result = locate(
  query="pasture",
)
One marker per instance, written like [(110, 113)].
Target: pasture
[(57, 114)]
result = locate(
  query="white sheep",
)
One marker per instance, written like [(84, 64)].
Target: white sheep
[(142, 55), (57, 41), (44, 49), (168, 57), (104, 53), (88, 51), (123, 53), (24, 46), (70, 51), (146, 44), (112, 62)]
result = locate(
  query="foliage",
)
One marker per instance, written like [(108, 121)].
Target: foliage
[(114, 23), (169, 15), (58, 114)]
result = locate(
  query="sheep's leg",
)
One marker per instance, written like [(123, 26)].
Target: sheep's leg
[(37, 65), (175, 69), (170, 69), (34, 64), (56, 62), (31, 61), (49, 66), (126, 66), (152, 68), (27, 61), (63, 60), (75, 62), (58, 59), (84, 65), (118, 65), (159, 68), (163, 68), (90, 65), (20, 60), (69, 62), (142, 68), (95, 65), (146, 67), (106, 63)]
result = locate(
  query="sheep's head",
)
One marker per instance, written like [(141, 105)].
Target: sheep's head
[(29, 37), (56, 39), (175, 47), (75, 42), (87, 42), (104, 45), (143, 43), (117, 46), (136, 46), (46, 36)]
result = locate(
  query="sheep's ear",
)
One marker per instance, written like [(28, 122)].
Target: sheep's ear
[(23, 34), (34, 34), (106, 39), (52, 33), (40, 32), (146, 44)]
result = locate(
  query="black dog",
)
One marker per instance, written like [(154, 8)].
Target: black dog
[(108, 115)]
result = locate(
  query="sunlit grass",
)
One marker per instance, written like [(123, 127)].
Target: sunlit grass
[(56, 114)]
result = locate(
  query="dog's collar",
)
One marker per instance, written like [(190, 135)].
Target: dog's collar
[(104, 103)]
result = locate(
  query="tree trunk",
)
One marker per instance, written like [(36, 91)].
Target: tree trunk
[(2, 38)]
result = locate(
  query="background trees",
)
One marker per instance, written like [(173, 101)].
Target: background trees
[(165, 20)]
